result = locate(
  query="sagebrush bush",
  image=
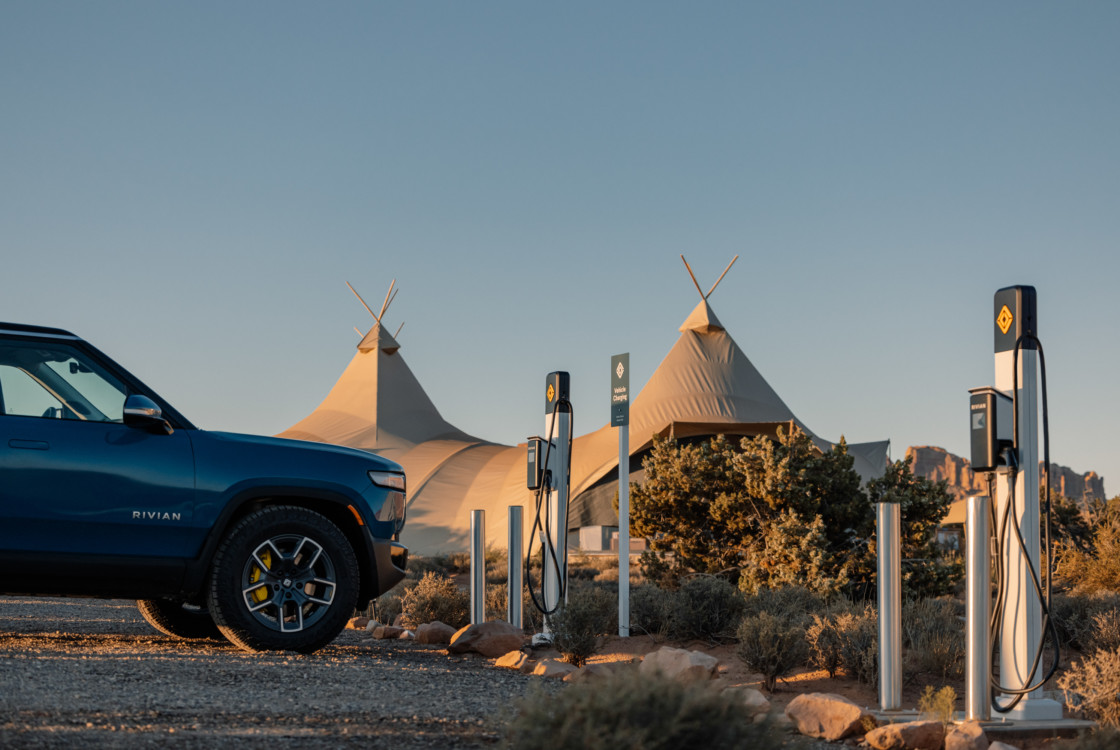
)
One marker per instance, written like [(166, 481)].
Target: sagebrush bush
[(436, 597), (1105, 635), (825, 644), (772, 645), (934, 634), (1096, 570), (707, 608), (626, 710), (579, 625), (651, 609), (1074, 616), (1092, 686), (859, 645)]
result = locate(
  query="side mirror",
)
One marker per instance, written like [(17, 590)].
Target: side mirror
[(141, 411)]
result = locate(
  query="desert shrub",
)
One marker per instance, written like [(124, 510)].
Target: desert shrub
[(920, 615), (1074, 616), (1092, 686), (937, 705), (418, 565), (651, 609), (1097, 569), (772, 645), (706, 608), (436, 598), (1106, 631), (794, 603), (578, 626), (824, 642), (661, 570), (626, 710), (496, 601), (934, 634), (859, 645)]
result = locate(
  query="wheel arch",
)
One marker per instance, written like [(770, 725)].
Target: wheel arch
[(338, 509)]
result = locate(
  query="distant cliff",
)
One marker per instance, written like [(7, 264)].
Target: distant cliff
[(937, 463)]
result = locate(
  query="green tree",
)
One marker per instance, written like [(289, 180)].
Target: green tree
[(782, 511), (927, 570)]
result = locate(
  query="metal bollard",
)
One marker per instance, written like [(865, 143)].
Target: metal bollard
[(513, 567), (478, 567), (888, 542), (978, 600)]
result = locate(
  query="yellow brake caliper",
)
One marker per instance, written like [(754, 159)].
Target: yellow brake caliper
[(260, 594)]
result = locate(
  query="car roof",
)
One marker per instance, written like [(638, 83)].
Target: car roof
[(34, 330)]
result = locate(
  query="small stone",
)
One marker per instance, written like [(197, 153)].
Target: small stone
[(387, 632), (1001, 746), (553, 668), (407, 635), (357, 623), (436, 633), (372, 625), (512, 660)]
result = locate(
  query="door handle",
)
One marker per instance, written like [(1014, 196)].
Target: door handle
[(31, 445)]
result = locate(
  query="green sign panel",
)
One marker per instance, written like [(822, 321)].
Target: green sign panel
[(620, 390)]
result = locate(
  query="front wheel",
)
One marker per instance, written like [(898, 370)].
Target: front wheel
[(284, 579)]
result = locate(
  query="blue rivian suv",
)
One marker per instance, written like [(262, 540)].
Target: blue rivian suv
[(108, 491)]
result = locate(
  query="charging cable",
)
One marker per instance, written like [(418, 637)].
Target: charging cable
[(1000, 530), (542, 521)]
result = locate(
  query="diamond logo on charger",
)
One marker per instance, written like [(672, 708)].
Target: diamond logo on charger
[(620, 370)]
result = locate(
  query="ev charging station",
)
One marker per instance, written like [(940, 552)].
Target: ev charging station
[(1004, 428), (548, 473)]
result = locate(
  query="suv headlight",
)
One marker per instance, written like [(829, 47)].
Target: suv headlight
[(393, 507)]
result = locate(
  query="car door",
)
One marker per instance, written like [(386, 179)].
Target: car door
[(75, 481)]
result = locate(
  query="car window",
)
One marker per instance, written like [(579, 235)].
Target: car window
[(57, 381)]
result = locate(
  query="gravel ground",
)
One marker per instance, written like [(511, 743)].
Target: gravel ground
[(92, 673)]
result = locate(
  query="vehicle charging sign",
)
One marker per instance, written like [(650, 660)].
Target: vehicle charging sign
[(620, 390)]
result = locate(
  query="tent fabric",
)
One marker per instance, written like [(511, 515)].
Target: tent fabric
[(705, 386)]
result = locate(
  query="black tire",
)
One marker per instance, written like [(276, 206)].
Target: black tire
[(283, 579), (179, 619)]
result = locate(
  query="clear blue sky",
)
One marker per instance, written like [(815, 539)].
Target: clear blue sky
[(189, 185)]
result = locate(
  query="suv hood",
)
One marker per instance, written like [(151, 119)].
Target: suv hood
[(342, 450)]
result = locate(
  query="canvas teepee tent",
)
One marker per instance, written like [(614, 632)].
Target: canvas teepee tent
[(705, 386)]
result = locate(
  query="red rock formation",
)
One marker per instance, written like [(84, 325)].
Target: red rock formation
[(937, 464)]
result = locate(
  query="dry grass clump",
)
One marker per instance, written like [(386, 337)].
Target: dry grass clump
[(938, 705), (626, 710), (933, 631)]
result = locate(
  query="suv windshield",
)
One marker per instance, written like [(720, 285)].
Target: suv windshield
[(57, 381)]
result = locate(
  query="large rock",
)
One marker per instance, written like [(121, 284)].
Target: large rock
[(913, 735), (553, 668), (753, 701), (491, 639), (967, 736), (680, 664), (357, 623), (435, 633), (828, 716), (512, 660)]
